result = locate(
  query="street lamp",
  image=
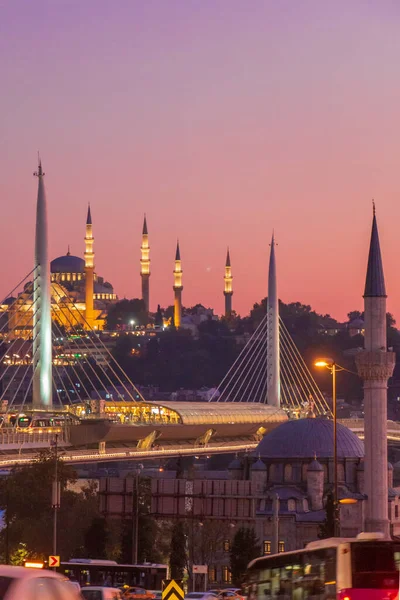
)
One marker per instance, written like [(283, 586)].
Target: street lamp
[(135, 512), (330, 364), (132, 322)]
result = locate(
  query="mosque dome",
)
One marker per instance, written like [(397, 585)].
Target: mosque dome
[(67, 264), (315, 466), (259, 466), (304, 438), (235, 464)]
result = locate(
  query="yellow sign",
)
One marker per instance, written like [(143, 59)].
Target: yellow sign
[(54, 561), (172, 590)]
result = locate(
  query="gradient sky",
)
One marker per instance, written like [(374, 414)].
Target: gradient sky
[(221, 119)]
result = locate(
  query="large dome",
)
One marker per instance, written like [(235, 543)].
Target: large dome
[(67, 264), (304, 438)]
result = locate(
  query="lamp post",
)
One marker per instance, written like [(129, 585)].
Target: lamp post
[(135, 513), (333, 368), (55, 495)]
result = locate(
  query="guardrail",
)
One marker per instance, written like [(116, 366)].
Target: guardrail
[(11, 437)]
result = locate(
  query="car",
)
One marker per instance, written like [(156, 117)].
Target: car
[(136, 593), (98, 592), (28, 583), (200, 596), (230, 595), (157, 594)]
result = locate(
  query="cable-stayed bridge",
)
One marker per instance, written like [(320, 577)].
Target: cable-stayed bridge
[(60, 381)]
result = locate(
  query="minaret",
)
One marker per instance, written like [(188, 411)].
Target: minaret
[(375, 365), (273, 365), (89, 272), (178, 287), (42, 347), (145, 266), (228, 290)]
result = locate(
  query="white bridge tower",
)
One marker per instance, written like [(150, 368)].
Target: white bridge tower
[(42, 346)]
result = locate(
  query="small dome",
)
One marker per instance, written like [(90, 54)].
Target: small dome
[(103, 288), (236, 464), (259, 466), (67, 264), (356, 324), (305, 438), (315, 466)]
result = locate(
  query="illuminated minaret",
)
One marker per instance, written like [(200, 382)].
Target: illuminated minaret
[(89, 272), (228, 290), (145, 266), (273, 364), (375, 365), (42, 346), (178, 287)]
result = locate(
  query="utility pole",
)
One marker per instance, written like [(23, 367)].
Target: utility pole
[(55, 497), (275, 524), (135, 514)]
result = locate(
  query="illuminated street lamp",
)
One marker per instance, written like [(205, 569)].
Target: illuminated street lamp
[(330, 364)]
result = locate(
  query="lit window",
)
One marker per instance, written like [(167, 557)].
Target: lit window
[(281, 547), (227, 545), (226, 574), (212, 574), (267, 547), (291, 505), (288, 473)]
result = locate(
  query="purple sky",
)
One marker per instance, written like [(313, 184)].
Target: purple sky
[(222, 120)]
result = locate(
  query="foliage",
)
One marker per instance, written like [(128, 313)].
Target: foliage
[(20, 555), (25, 496), (158, 320), (178, 557), (149, 534), (245, 547), (96, 538), (122, 313)]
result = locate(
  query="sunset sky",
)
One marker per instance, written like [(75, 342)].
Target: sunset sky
[(222, 120)]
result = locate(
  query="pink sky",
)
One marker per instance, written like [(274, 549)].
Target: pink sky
[(221, 119)]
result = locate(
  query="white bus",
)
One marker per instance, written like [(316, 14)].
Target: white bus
[(363, 568)]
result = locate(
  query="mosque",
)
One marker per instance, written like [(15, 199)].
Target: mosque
[(79, 296), (281, 489)]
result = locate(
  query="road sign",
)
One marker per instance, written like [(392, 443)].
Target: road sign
[(172, 590), (54, 561), (203, 569)]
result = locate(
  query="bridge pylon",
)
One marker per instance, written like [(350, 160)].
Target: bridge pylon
[(42, 343)]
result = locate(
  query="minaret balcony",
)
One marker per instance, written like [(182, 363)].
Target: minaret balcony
[(377, 365)]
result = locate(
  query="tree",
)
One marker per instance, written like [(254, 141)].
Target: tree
[(122, 313), (355, 314), (96, 538), (245, 547), (178, 555), (25, 496), (327, 527), (159, 316)]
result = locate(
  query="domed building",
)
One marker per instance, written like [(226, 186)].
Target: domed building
[(292, 469), (79, 296), (69, 271)]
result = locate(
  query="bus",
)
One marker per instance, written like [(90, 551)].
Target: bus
[(108, 572), (362, 568)]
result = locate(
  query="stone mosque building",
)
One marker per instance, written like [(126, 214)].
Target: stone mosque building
[(281, 488), (79, 296)]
